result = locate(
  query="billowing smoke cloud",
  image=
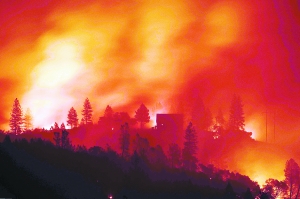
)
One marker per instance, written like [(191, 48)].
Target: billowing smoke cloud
[(54, 54)]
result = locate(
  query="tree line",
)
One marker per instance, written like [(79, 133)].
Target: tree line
[(20, 122)]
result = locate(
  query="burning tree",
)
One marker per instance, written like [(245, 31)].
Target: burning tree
[(28, 120), (72, 118), (190, 148), (142, 115), (219, 126), (87, 112), (292, 178), (275, 188), (236, 118), (16, 118), (125, 140)]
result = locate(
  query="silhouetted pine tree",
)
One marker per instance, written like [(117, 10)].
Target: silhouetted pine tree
[(174, 155), (57, 139), (16, 118), (236, 118), (108, 113), (125, 140), (87, 112), (248, 194), (229, 193), (190, 148), (142, 115), (56, 127), (72, 118), (65, 141), (292, 178), (62, 126)]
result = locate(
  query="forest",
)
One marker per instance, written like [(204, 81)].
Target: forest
[(121, 157)]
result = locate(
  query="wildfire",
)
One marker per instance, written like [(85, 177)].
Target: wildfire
[(125, 54), (85, 56)]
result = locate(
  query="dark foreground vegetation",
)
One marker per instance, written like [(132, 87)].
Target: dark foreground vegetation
[(38, 169)]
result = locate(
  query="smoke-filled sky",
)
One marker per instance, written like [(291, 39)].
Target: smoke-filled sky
[(54, 54)]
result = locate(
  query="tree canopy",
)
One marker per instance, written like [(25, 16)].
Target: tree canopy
[(72, 118), (190, 148), (142, 115), (87, 112), (292, 177), (236, 118), (108, 113), (16, 118)]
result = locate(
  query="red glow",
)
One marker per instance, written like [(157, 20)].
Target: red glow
[(54, 54)]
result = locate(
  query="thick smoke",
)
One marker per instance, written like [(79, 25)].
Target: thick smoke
[(123, 53)]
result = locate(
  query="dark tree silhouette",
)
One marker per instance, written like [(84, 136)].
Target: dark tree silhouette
[(292, 172), (229, 193), (62, 126), (264, 195), (28, 120), (16, 118), (236, 118), (248, 194), (65, 141), (108, 120), (174, 155), (57, 139), (190, 148), (87, 112), (142, 115), (157, 157), (72, 118), (56, 127), (108, 113), (125, 140), (141, 145)]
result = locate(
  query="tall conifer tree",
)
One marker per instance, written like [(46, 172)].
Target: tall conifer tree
[(142, 115), (72, 118), (87, 112), (236, 118), (16, 118), (190, 148)]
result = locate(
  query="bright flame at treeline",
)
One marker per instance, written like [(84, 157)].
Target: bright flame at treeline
[(124, 53)]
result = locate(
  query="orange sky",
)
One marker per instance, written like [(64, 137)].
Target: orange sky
[(54, 54)]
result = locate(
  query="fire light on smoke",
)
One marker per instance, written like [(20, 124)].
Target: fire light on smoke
[(124, 53), (115, 60), (52, 77), (223, 24)]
